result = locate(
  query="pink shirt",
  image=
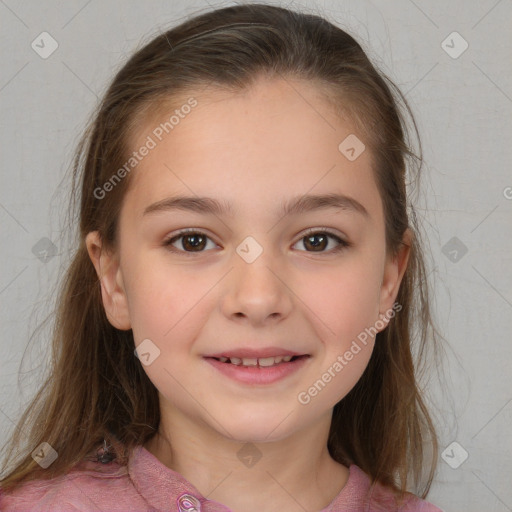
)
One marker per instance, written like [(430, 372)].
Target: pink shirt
[(145, 484)]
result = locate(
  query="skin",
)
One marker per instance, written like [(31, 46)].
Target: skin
[(255, 150)]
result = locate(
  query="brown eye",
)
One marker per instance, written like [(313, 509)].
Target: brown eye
[(319, 241), (188, 242), (195, 242), (316, 242)]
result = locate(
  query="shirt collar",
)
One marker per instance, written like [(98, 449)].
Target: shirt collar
[(164, 488)]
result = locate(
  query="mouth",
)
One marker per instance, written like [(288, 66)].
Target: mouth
[(259, 362), (258, 371)]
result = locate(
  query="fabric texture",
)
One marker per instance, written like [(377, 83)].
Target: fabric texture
[(145, 484)]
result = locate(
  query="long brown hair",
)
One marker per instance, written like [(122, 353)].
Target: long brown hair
[(97, 388)]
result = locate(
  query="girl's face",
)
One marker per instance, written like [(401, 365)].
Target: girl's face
[(269, 268)]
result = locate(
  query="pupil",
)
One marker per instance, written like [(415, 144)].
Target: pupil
[(318, 245), (193, 241)]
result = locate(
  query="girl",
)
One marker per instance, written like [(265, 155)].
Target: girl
[(235, 331)]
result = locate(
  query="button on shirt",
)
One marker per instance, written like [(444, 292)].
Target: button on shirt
[(147, 485)]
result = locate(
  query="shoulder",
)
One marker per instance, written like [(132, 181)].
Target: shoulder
[(358, 494), (88, 486)]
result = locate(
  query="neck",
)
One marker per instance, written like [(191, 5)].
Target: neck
[(295, 473)]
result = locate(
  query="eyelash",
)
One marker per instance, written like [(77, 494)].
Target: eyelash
[(342, 244)]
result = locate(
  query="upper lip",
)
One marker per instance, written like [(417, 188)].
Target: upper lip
[(260, 353)]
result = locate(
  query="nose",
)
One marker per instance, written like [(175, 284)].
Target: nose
[(257, 293)]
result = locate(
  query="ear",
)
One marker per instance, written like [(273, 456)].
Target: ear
[(394, 270), (112, 288)]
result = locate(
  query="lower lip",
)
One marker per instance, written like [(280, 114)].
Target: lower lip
[(258, 375)]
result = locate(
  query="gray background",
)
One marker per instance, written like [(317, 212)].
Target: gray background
[(463, 107)]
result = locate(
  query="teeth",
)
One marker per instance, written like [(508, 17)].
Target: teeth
[(267, 361), (252, 361)]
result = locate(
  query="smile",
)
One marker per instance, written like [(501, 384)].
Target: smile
[(257, 371), (251, 361)]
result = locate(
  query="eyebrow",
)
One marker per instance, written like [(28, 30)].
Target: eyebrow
[(294, 206)]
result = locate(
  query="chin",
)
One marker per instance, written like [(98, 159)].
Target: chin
[(264, 428)]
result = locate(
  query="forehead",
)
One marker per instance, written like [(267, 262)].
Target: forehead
[(278, 137)]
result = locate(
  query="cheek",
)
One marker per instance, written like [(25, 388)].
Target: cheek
[(170, 309), (344, 299), (343, 307), (164, 302)]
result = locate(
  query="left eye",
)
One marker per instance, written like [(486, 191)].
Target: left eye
[(318, 241)]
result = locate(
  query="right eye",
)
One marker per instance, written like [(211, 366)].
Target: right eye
[(188, 241)]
